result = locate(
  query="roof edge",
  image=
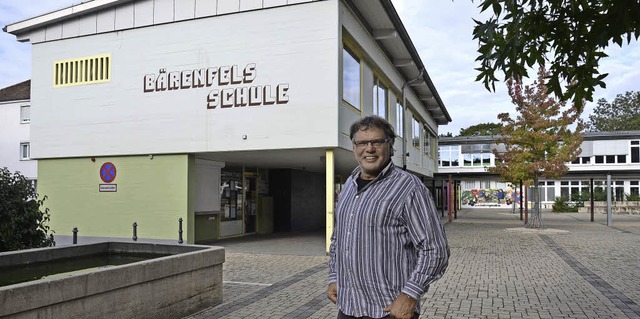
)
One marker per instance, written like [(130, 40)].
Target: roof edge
[(402, 31)]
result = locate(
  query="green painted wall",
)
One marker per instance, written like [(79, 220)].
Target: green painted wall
[(206, 228), (151, 192)]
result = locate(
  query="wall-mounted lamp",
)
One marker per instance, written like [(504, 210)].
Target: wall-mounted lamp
[(93, 159), (244, 137), (150, 156)]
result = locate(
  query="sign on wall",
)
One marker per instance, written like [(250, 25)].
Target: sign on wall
[(231, 85), (108, 175)]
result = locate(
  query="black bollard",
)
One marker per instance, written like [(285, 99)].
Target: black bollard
[(135, 231), (75, 235), (180, 230)]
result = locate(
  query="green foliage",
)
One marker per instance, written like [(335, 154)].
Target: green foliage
[(568, 36), (632, 197), (623, 114), (446, 135), (483, 129), (22, 222), (561, 206), (539, 141)]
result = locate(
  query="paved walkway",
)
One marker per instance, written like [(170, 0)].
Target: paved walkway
[(574, 269)]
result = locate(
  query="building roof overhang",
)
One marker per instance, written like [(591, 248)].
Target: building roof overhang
[(382, 21)]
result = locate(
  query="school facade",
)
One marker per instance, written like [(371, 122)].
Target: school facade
[(464, 161), (232, 115)]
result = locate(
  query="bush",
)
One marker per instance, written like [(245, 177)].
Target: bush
[(22, 222), (561, 206), (632, 197)]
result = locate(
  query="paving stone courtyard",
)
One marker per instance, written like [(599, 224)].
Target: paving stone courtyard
[(573, 268)]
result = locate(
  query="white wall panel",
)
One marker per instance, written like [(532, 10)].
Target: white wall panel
[(207, 185), (70, 28), (228, 6), (106, 20), (250, 5), (53, 32), (143, 13), (205, 8), (293, 45), (163, 11), (273, 3), (185, 9), (87, 24), (124, 16)]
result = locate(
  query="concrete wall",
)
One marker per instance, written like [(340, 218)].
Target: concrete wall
[(154, 193), (174, 286)]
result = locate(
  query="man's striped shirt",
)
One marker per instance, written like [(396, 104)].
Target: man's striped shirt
[(387, 239)]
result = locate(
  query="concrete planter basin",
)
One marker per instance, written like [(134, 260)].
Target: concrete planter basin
[(184, 279)]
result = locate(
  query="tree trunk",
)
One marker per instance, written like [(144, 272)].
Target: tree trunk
[(536, 214)]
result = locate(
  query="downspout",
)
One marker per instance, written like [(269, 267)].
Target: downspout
[(404, 120)]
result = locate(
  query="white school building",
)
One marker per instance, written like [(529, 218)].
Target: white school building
[(230, 115)]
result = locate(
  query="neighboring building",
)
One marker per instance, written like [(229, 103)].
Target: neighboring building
[(15, 142), (465, 159), (232, 115)]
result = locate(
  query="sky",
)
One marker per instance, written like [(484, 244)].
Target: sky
[(441, 31)]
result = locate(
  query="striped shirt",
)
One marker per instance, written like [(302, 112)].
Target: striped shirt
[(387, 239)]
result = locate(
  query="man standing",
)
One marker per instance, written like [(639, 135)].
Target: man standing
[(388, 244)]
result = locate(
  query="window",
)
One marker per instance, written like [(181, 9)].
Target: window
[(635, 188), (427, 137), (415, 129), (350, 79), (380, 103), (635, 151), (448, 155), (599, 159), (25, 114), (399, 119), (476, 154), (25, 151)]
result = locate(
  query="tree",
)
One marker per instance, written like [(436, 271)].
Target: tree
[(483, 129), (539, 141), (22, 222), (623, 114), (446, 135), (570, 35)]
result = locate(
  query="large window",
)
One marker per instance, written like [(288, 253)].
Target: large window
[(399, 119), (25, 151), (350, 78), (448, 155), (380, 101), (476, 154), (25, 114), (635, 151), (426, 148), (415, 132)]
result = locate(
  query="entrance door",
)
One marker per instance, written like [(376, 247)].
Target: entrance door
[(250, 209)]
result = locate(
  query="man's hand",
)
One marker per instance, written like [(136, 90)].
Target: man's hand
[(402, 308), (332, 292)]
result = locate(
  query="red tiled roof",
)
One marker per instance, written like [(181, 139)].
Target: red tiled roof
[(20, 91)]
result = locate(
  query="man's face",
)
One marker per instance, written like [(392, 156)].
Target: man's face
[(371, 157)]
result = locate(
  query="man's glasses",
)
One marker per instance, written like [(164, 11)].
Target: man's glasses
[(375, 143)]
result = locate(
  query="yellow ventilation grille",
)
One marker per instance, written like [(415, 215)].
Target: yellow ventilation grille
[(86, 70)]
